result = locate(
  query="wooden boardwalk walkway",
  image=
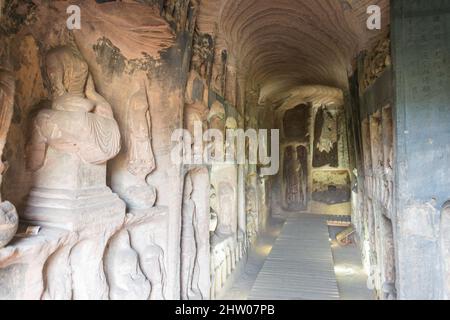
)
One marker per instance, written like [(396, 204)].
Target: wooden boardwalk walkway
[(300, 265)]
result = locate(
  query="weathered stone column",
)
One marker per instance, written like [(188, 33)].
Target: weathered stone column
[(421, 51)]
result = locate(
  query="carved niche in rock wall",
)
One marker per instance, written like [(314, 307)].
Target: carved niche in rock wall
[(155, 270), (9, 219), (149, 239), (325, 138), (195, 236), (200, 68), (296, 123), (203, 55), (294, 191), (69, 147), (302, 158), (226, 214), (140, 158), (195, 118), (375, 63), (331, 187)]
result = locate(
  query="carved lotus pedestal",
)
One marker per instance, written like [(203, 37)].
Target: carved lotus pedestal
[(71, 194)]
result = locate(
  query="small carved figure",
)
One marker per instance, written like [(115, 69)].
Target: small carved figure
[(189, 242), (141, 161), (140, 157), (195, 116), (203, 55), (154, 269), (125, 277), (226, 211)]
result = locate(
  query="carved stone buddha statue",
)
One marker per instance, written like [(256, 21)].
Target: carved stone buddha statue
[(70, 145), (80, 121)]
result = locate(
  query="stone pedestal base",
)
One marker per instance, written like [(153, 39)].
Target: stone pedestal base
[(71, 194), (74, 210)]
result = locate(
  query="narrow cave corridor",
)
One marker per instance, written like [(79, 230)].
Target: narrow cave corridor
[(224, 149)]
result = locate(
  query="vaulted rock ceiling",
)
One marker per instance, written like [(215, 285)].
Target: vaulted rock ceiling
[(283, 44)]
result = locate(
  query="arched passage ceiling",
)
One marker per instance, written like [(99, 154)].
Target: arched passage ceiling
[(284, 44)]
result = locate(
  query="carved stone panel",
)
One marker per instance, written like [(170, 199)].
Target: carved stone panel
[(325, 139), (9, 219), (195, 236)]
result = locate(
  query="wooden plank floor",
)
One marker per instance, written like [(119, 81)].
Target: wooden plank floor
[(300, 265)]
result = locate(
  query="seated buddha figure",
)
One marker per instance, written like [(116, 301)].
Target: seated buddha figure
[(80, 120)]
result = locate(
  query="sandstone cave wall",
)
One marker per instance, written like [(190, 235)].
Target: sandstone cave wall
[(314, 160), (421, 117), (140, 243), (372, 128), (399, 117)]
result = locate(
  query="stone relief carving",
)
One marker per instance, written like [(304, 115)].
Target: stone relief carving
[(125, 277), (141, 161), (135, 257), (216, 116), (292, 173), (140, 158), (375, 63), (203, 55), (213, 209), (195, 254), (7, 89), (219, 71), (252, 213), (328, 135), (154, 269), (302, 158), (189, 238), (226, 212), (9, 219), (196, 109)]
